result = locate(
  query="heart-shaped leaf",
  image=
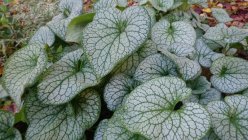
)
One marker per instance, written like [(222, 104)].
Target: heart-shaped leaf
[(199, 85), (155, 66), (206, 97), (230, 117), (114, 35), (22, 70), (65, 122), (162, 5), (70, 9), (118, 87), (155, 110), (205, 55), (165, 33), (221, 15), (230, 74), (44, 36), (66, 78), (7, 132)]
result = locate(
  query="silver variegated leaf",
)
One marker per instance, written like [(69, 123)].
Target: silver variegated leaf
[(165, 33), (105, 4), (245, 92), (229, 118), (155, 66), (206, 97), (155, 110), (70, 9), (64, 122), (44, 36), (205, 55), (66, 78), (118, 87), (7, 132), (221, 15), (114, 35), (101, 129), (199, 85), (226, 34), (210, 136), (162, 5), (182, 50), (22, 70), (141, 2), (188, 69), (3, 92), (230, 74)]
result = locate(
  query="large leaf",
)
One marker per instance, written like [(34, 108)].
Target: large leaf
[(7, 132), (199, 85), (69, 9), (22, 70), (226, 34), (64, 122), (230, 117), (165, 33), (44, 36), (230, 74), (205, 55), (155, 110), (114, 35), (221, 15), (76, 26), (66, 78), (155, 66), (162, 5), (206, 97), (118, 87)]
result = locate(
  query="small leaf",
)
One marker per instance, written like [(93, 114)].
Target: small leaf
[(76, 26), (3, 92), (206, 97), (118, 87), (22, 70), (221, 15), (228, 35), (114, 35), (189, 69), (210, 135), (229, 118), (165, 33), (155, 66), (155, 108), (230, 74), (204, 54), (65, 122), (44, 36), (199, 85), (70, 9), (7, 132), (66, 78), (162, 5)]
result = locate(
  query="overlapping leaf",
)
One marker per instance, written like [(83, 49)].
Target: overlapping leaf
[(114, 35), (7, 132), (210, 135), (230, 117), (165, 33), (44, 36), (205, 55), (69, 9), (3, 92), (226, 34), (117, 88), (22, 70), (230, 74), (182, 50), (155, 108), (66, 78), (64, 122), (155, 66), (162, 5), (101, 129), (199, 85)]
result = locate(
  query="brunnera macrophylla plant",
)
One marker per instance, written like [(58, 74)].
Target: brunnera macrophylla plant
[(156, 66)]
